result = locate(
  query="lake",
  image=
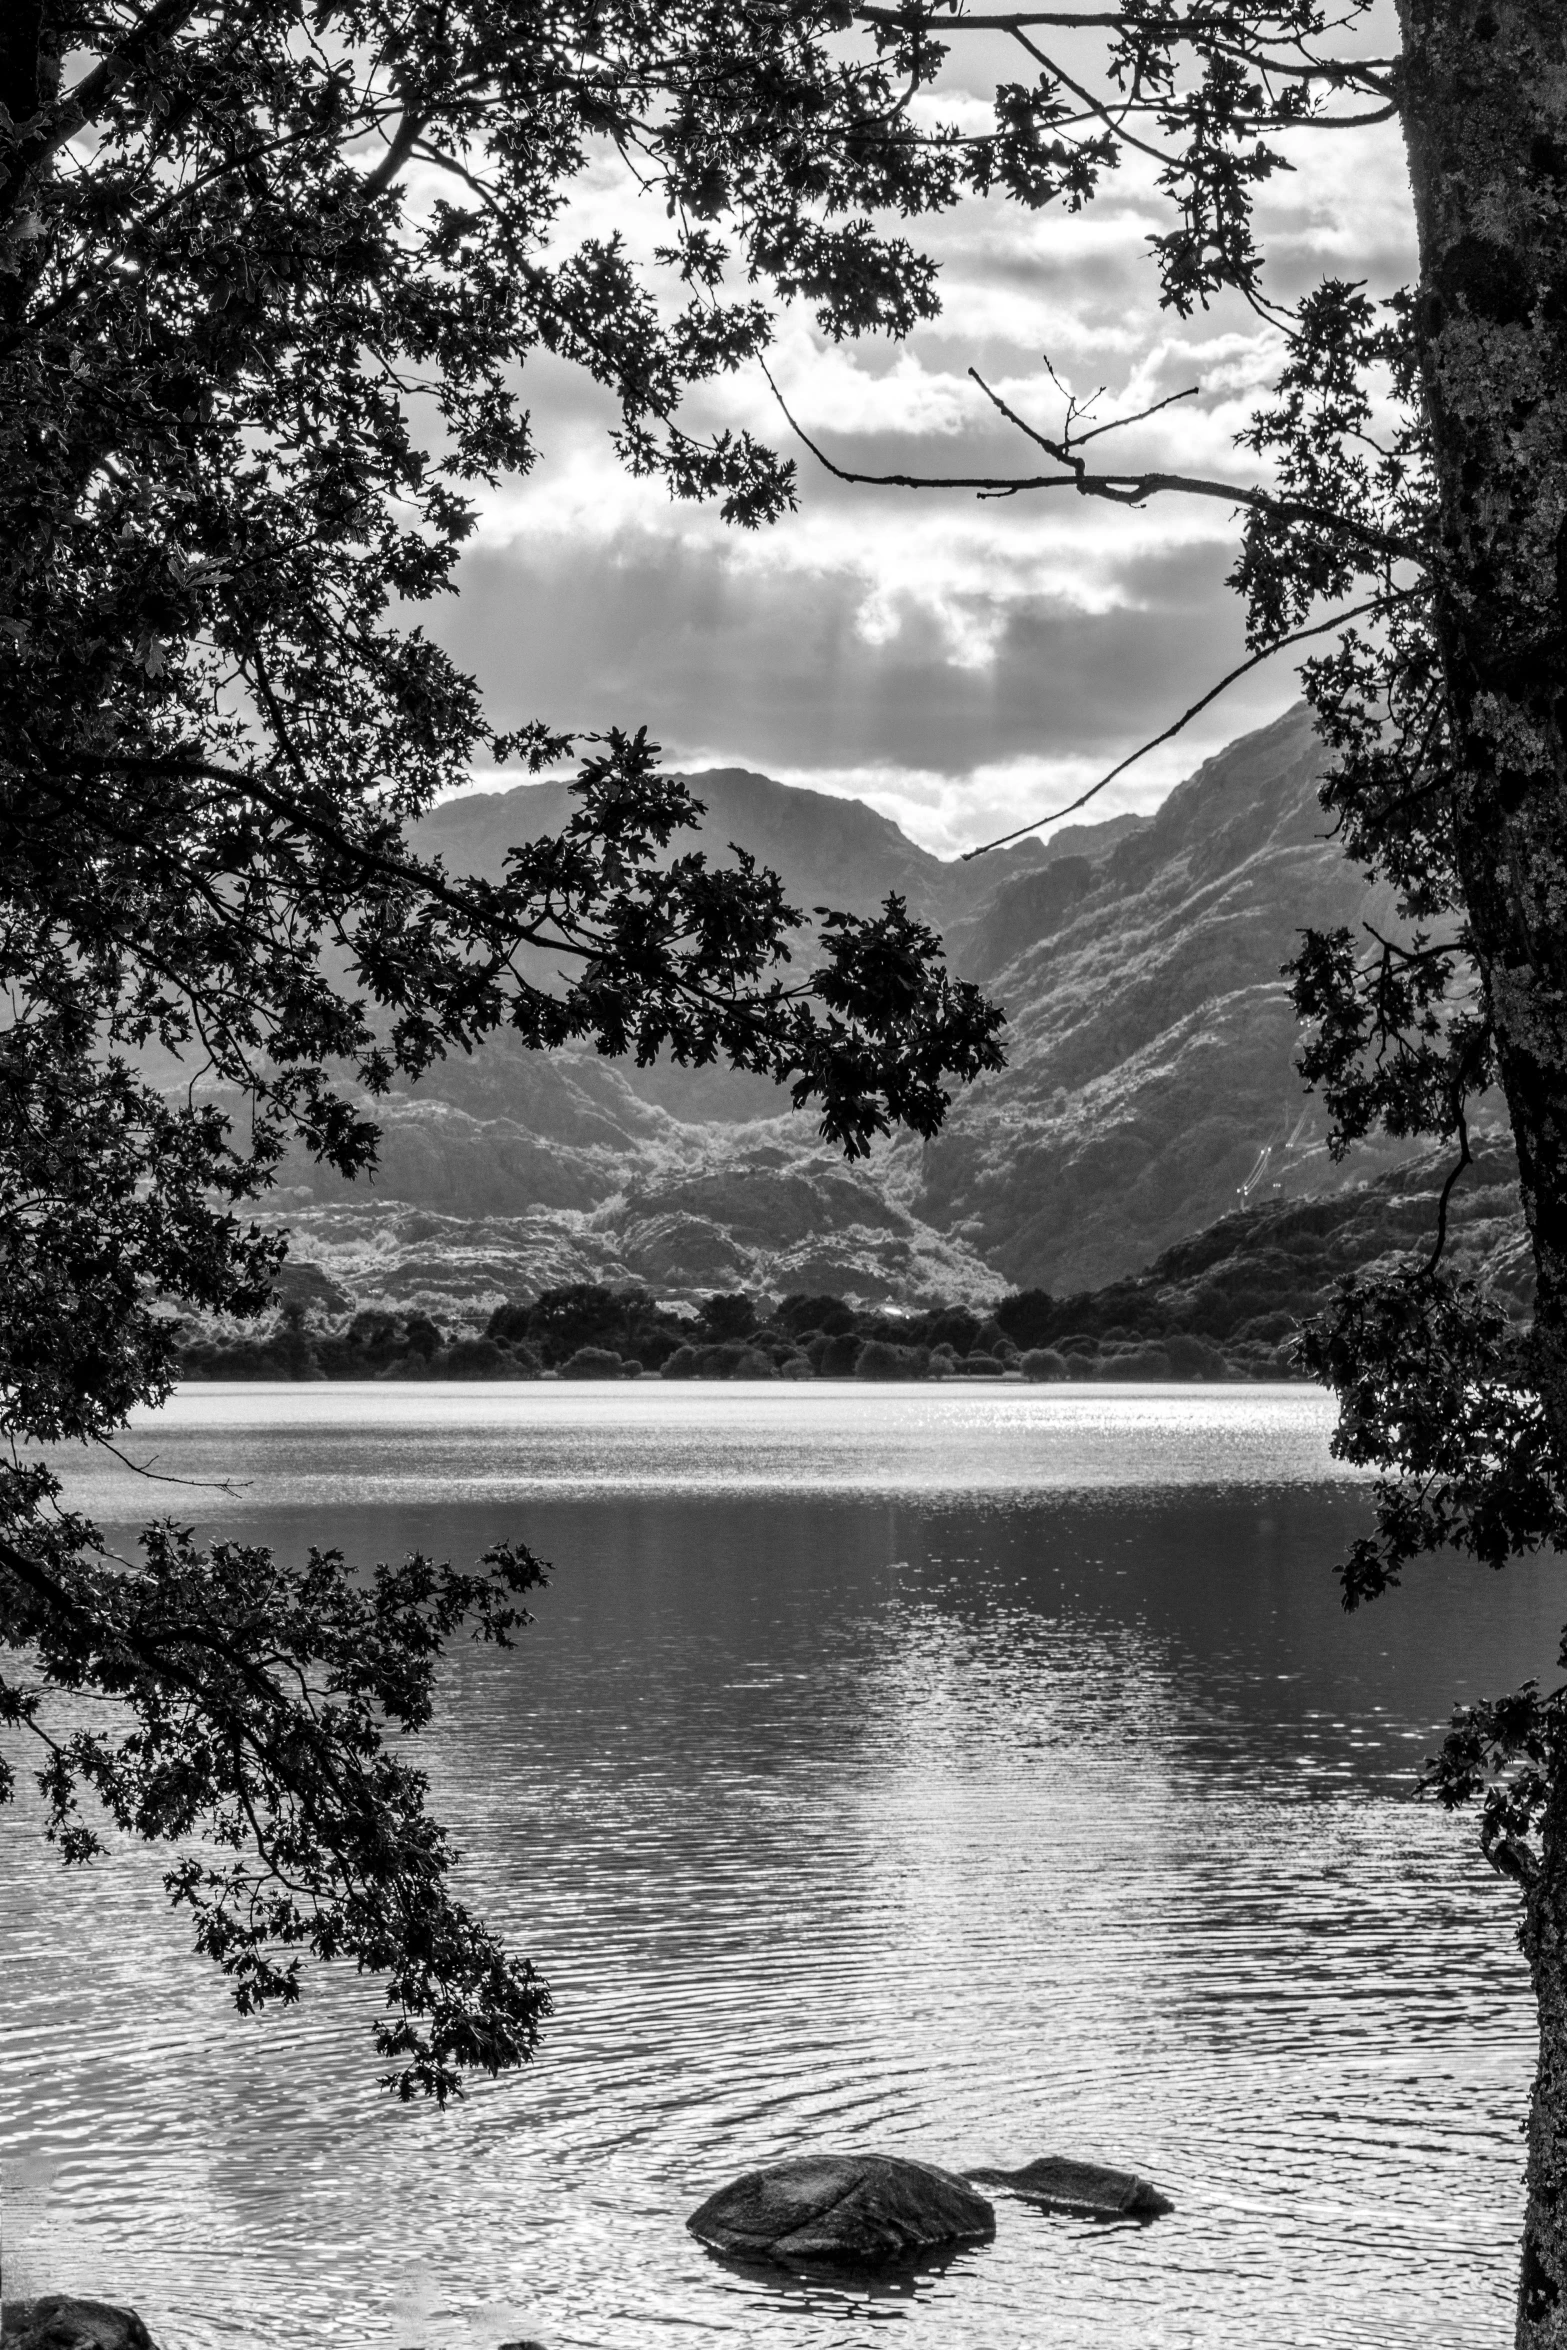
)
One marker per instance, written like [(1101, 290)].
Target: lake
[(972, 1772)]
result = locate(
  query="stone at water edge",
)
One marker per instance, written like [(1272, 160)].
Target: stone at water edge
[(58, 2321), (864, 2210), (1061, 2184)]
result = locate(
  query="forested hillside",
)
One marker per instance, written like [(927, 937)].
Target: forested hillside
[(1225, 1304)]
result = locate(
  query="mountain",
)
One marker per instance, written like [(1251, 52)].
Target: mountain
[(1151, 1044), (1225, 1304), (1150, 1078), (830, 851)]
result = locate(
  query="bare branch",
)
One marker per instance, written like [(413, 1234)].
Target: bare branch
[(1342, 72), (1140, 416), (1319, 628), (1134, 489), (1118, 489)]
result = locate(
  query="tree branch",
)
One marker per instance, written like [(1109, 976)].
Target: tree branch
[(1342, 72), (1318, 628), (397, 154), (1133, 489), (1119, 489), (1463, 1160), (81, 105)]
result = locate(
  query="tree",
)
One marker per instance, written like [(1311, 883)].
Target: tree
[(220, 315), (1417, 454), (246, 243)]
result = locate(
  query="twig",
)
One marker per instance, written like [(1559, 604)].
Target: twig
[(1117, 489), (1114, 423), (1319, 628), (145, 1469)]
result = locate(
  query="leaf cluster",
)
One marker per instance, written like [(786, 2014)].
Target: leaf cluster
[(1433, 1387), (270, 275), (1432, 1380), (251, 1706)]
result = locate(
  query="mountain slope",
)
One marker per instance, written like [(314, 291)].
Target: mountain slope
[(1151, 1044), (829, 850), (1151, 1074)]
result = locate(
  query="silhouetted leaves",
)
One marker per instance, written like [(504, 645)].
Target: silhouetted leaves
[(268, 278)]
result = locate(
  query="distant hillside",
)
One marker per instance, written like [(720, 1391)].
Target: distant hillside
[(1151, 1045), (1224, 1305), (1242, 1287), (830, 851), (1151, 1075)]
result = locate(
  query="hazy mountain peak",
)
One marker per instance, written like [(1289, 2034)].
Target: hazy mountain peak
[(1151, 1074), (830, 850)]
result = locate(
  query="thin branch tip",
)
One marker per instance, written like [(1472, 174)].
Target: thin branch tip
[(1299, 636)]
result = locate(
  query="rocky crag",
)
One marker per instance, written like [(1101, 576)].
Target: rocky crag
[(1150, 1081), (1224, 1304)]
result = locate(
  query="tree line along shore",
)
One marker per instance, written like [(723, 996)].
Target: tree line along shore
[(590, 1331), (1224, 1304), (587, 1331)]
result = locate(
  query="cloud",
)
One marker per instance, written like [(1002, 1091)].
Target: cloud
[(959, 663)]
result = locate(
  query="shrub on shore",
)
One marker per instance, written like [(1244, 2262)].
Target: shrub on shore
[(588, 1332)]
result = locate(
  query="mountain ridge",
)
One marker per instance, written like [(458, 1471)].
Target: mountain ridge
[(1151, 1049)]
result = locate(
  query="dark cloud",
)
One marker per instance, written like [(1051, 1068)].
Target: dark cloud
[(953, 660), (776, 670)]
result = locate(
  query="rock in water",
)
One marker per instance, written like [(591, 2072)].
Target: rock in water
[(60, 2322), (863, 2210), (1086, 2187)]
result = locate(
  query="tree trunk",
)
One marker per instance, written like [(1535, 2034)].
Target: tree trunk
[(1485, 117)]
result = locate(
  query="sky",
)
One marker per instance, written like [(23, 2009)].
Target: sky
[(961, 665)]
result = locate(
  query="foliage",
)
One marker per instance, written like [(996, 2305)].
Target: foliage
[(254, 256), (728, 1313), (267, 277), (1226, 1304), (1439, 1389), (1415, 474), (259, 1698)]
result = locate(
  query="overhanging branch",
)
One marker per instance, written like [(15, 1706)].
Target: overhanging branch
[(1117, 489), (1318, 628), (49, 132)]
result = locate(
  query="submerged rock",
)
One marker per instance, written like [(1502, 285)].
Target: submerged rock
[(1085, 2187), (864, 2210), (60, 2322)]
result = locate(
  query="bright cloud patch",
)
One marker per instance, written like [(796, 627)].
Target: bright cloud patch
[(960, 662)]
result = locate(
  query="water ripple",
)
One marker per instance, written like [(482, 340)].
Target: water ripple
[(1041, 1810)]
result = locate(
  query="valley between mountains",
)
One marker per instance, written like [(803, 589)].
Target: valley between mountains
[(1150, 1089)]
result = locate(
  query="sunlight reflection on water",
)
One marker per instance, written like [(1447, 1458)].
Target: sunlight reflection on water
[(970, 1773)]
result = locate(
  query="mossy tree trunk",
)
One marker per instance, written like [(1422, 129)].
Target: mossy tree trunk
[(1486, 123)]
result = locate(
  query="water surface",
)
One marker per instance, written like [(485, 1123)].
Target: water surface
[(967, 1772)]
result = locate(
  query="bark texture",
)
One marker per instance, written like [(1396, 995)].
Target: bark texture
[(1485, 114)]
